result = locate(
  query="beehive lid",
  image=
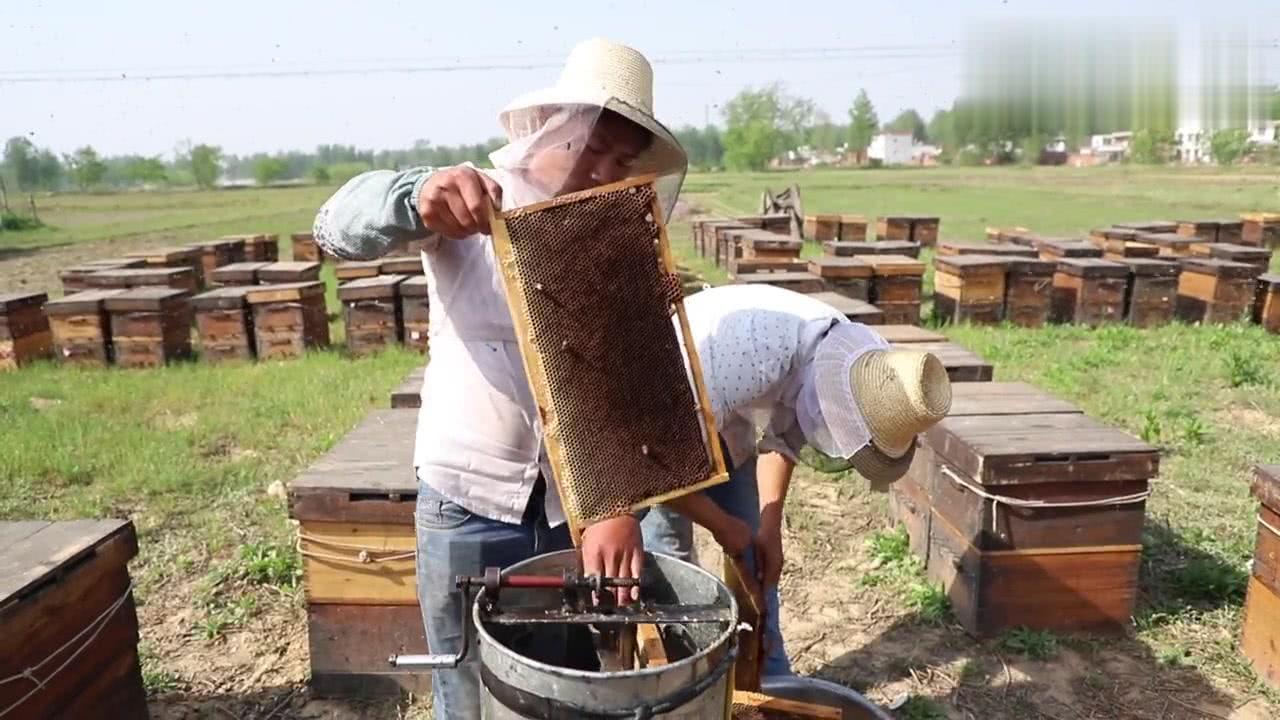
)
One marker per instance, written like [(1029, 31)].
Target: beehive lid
[(33, 551), (1266, 486), (87, 268), (1271, 280), (1233, 251), (1000, 249), (378, 287), (1040, 448), (889, 265), (408, 265), (908, 334), (415, 286), (224, 298), (953, 357), (119, 262), (165, 255), (10, 302), (852, 219), (373, 458), (763, 239), (1070, 248), (1169, 240), (1148, 226), (774, 278), (358, 268), (1229, 224), (1260, 217), (155, 299), (846, 266), (289, 271), (963, 265), (246, 272), (80, 303), (1150, 267), (224, 243), (138, 276), (1032, 267), (1119, 233), (1092, 267), (823, 217), (284, 292), (1004, 398), (1199, 224), (1225, 269), (852, 308)]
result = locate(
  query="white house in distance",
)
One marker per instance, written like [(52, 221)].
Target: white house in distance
[(891, 148), (1111, 147)]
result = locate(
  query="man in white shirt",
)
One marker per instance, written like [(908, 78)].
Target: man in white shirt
[(783, 371)]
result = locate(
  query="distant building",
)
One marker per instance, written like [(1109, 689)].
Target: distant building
[(1191, 146), (925, 155), (891, 148), (1267, 134), (1110, 147)]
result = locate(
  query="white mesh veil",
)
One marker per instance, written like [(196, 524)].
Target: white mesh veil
[(826, 408)]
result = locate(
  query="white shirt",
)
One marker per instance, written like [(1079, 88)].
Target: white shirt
[(752, 342)]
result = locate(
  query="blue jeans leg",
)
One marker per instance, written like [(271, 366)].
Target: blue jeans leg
[(453, 541)]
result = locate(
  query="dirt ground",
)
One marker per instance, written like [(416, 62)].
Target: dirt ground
[(38, 268)]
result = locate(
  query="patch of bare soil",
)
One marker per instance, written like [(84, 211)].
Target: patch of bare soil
[(36, 270), (1252, 418)]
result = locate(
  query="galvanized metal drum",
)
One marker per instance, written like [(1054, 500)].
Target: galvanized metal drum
[(523, 674)]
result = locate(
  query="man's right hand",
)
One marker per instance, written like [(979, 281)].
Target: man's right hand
[(456, 202)]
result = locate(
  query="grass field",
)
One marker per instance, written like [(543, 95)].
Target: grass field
[(190, 452)]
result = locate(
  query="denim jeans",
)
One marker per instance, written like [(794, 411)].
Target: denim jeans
[(667, 531), (453, 541)]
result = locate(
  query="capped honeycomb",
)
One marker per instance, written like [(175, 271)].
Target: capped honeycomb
[(592, 292)]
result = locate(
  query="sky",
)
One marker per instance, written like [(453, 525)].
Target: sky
[(339, 69)]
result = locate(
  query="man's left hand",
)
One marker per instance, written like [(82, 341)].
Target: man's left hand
[(614, 548)]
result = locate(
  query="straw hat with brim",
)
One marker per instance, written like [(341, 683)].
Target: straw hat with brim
[(900, 394), (608, 75)]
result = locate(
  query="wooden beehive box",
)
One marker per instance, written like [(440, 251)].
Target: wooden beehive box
[(1260, 257), (1100, 236), (1266, 302), (1170, 244), (150, 326), (1122, 249), (724, 239), (411, 265), (801, 282), (1149, 226), (765, 244), (894, 227), (289, 272), (924, 230), (176, 257), (24, 330), (241, 273), (415, 312), (224, 324), (216, 253), (1089, 291), (777, 223), (73, 277), (1205, 230), (1215, 291), (288, 319), (969, 288), (910, 499), (371, 312), (848, 276), (178, 278), (355, 509), (896, 282), (1152, 291), (1260, 631), (1231, 231), (852, 308), (823, 228), (1006, 556), (746, 266), (67, 617), (1028, 292), (962, 364), (261, 248), (908, 334), (408, 394), (1055, 250), (878, 247), (1260, 229), (82, 328), (355, 269), (304, 247), (952, 247), (853, 228)]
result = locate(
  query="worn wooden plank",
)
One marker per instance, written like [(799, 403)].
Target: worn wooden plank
[(833, 267), (801, 282), (284, 292), (408, 394), (1266, 485), (856, 310), (289, 272), (651, 651), (27, 562), (749, 665), (909, 505), (1004, 398), (757, 706), (358, 563), (908, 334), (375, 457), (349, 646), (1260, 631), (962, 365), (1266, 552)]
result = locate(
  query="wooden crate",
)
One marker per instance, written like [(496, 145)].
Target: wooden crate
[(1266, 303), (67, 614), (1215, 291), (1028, 292), (289, 272), (1205, 230), (217, 253), (1170, 244), (408, 394), (81, 328), (764, 244), (356, 269), (411, 265), (1121, 249), (1089, 291), (894, 227), (745, 266), (896, 283), (1005, 563), (241, 273), (73, 277), (224, 324), (24, 330), (969, 288), (1261, 257), (288, 319), (361, 493), (1152, 291), (415, 312), (176, 257), (907, 334), (852, 308), (1260, 631), (1260, 229), (801, 282), (150, 326), (853, 228), (304, 248), (371, 312), (962, 365), (847, 276), (824, 228), (178, 278), (952, 247), (1055, 250)]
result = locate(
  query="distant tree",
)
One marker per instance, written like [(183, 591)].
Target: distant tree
[(146, 170), (941, 130), (1032, 146), (22, 161), (863, 122), (1151, 147), (206, 165), (909, 121), (826, 135), (320, 175), (1275, 104), (86, 168), (1228, 146), (702, 145), (341, 172), (760, 123), (267, 170), (49, 170)]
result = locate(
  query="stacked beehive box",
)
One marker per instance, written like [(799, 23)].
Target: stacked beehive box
[(241, 273), (68, 624), (73, 278), (1149, 226), (1260, 634), (879, 247), (82, 328), (371, 310), (896, 282), (176, 257), (1151, 293), (1205, 230), (746, 266), (305, 248), (1260, 230), (1259, 257), (762, 244), (969, 288), (847, 276), (1266, 304), (1123, 249), (411, 265), (288, 319), (356, 535), (150, 326), (1089, 291), (224, 324), (260, 248), (853, 228), (1215, 291), (216, 253), (24, 330), (919, 229), (178, 278), (723, 239), (1171, 245), (289, 272), (1062, 249), (415, 312), (356, 269), (824, 228), (994, 249), (1028, 291), (852, 308)]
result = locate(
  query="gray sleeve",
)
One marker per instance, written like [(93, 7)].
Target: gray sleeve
[(371, 212)]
